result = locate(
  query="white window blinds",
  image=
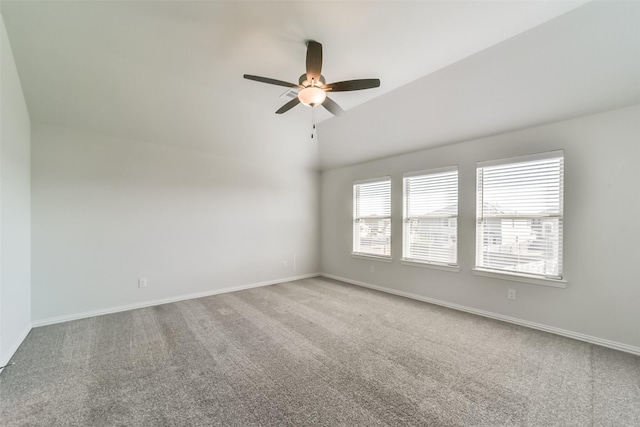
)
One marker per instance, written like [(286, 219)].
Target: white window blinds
[(430, 225), (372, 217), (519, 215)]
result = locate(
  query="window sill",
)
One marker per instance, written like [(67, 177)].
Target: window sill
[(445, 267), (371, 257), (556, 283)]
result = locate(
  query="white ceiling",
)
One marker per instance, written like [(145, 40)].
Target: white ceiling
[(170, 72), (584, 62)]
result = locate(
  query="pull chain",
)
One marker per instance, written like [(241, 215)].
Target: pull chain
[(313, 121)]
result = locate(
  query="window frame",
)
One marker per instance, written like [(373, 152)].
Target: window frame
[(406, 220), (540, 279), (355, 219)]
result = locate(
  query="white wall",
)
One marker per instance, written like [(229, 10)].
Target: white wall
[(108, 210), (15, 207), (601, 240)]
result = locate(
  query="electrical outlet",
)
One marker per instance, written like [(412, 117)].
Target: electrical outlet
[(511, 294), (142, 282), (372, 269), (284, 264)]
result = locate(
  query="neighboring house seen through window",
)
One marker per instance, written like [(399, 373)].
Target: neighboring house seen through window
[(430, 222), (372, 217), (519, 215)]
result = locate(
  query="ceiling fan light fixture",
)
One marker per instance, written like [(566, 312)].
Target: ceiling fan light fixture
[(312, 86), (312, 96)]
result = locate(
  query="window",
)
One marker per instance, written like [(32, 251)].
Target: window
[(430, 223), (372, 217), (519, 215)]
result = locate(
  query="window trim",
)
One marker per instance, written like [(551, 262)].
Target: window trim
[(369, 257), (433, 265), (354, 219), (521, 159), (554, 281), (416, 262), (525, 278)]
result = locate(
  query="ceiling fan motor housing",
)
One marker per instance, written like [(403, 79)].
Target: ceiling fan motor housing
[(302, 81)]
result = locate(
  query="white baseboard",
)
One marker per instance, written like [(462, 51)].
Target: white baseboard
[(563, 332), (558, 331), (117, 309), (12, 350)]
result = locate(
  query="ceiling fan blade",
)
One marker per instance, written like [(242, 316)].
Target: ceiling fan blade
[(349, 85), (332, 107), (289, 105), (314, 61), (270, 81)]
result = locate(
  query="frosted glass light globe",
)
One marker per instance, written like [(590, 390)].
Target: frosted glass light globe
[(312, 96)]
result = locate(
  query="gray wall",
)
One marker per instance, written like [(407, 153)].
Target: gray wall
[(108, 210), (15, 207), (601, 247)]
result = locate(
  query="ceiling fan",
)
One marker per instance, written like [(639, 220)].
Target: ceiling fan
[(312, 85)]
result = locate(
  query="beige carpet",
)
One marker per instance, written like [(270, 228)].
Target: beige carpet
[(312, 352)]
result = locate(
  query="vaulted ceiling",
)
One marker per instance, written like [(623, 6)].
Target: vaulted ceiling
[(170, 72)]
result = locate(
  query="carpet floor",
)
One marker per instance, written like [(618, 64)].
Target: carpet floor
[(312, 352)]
